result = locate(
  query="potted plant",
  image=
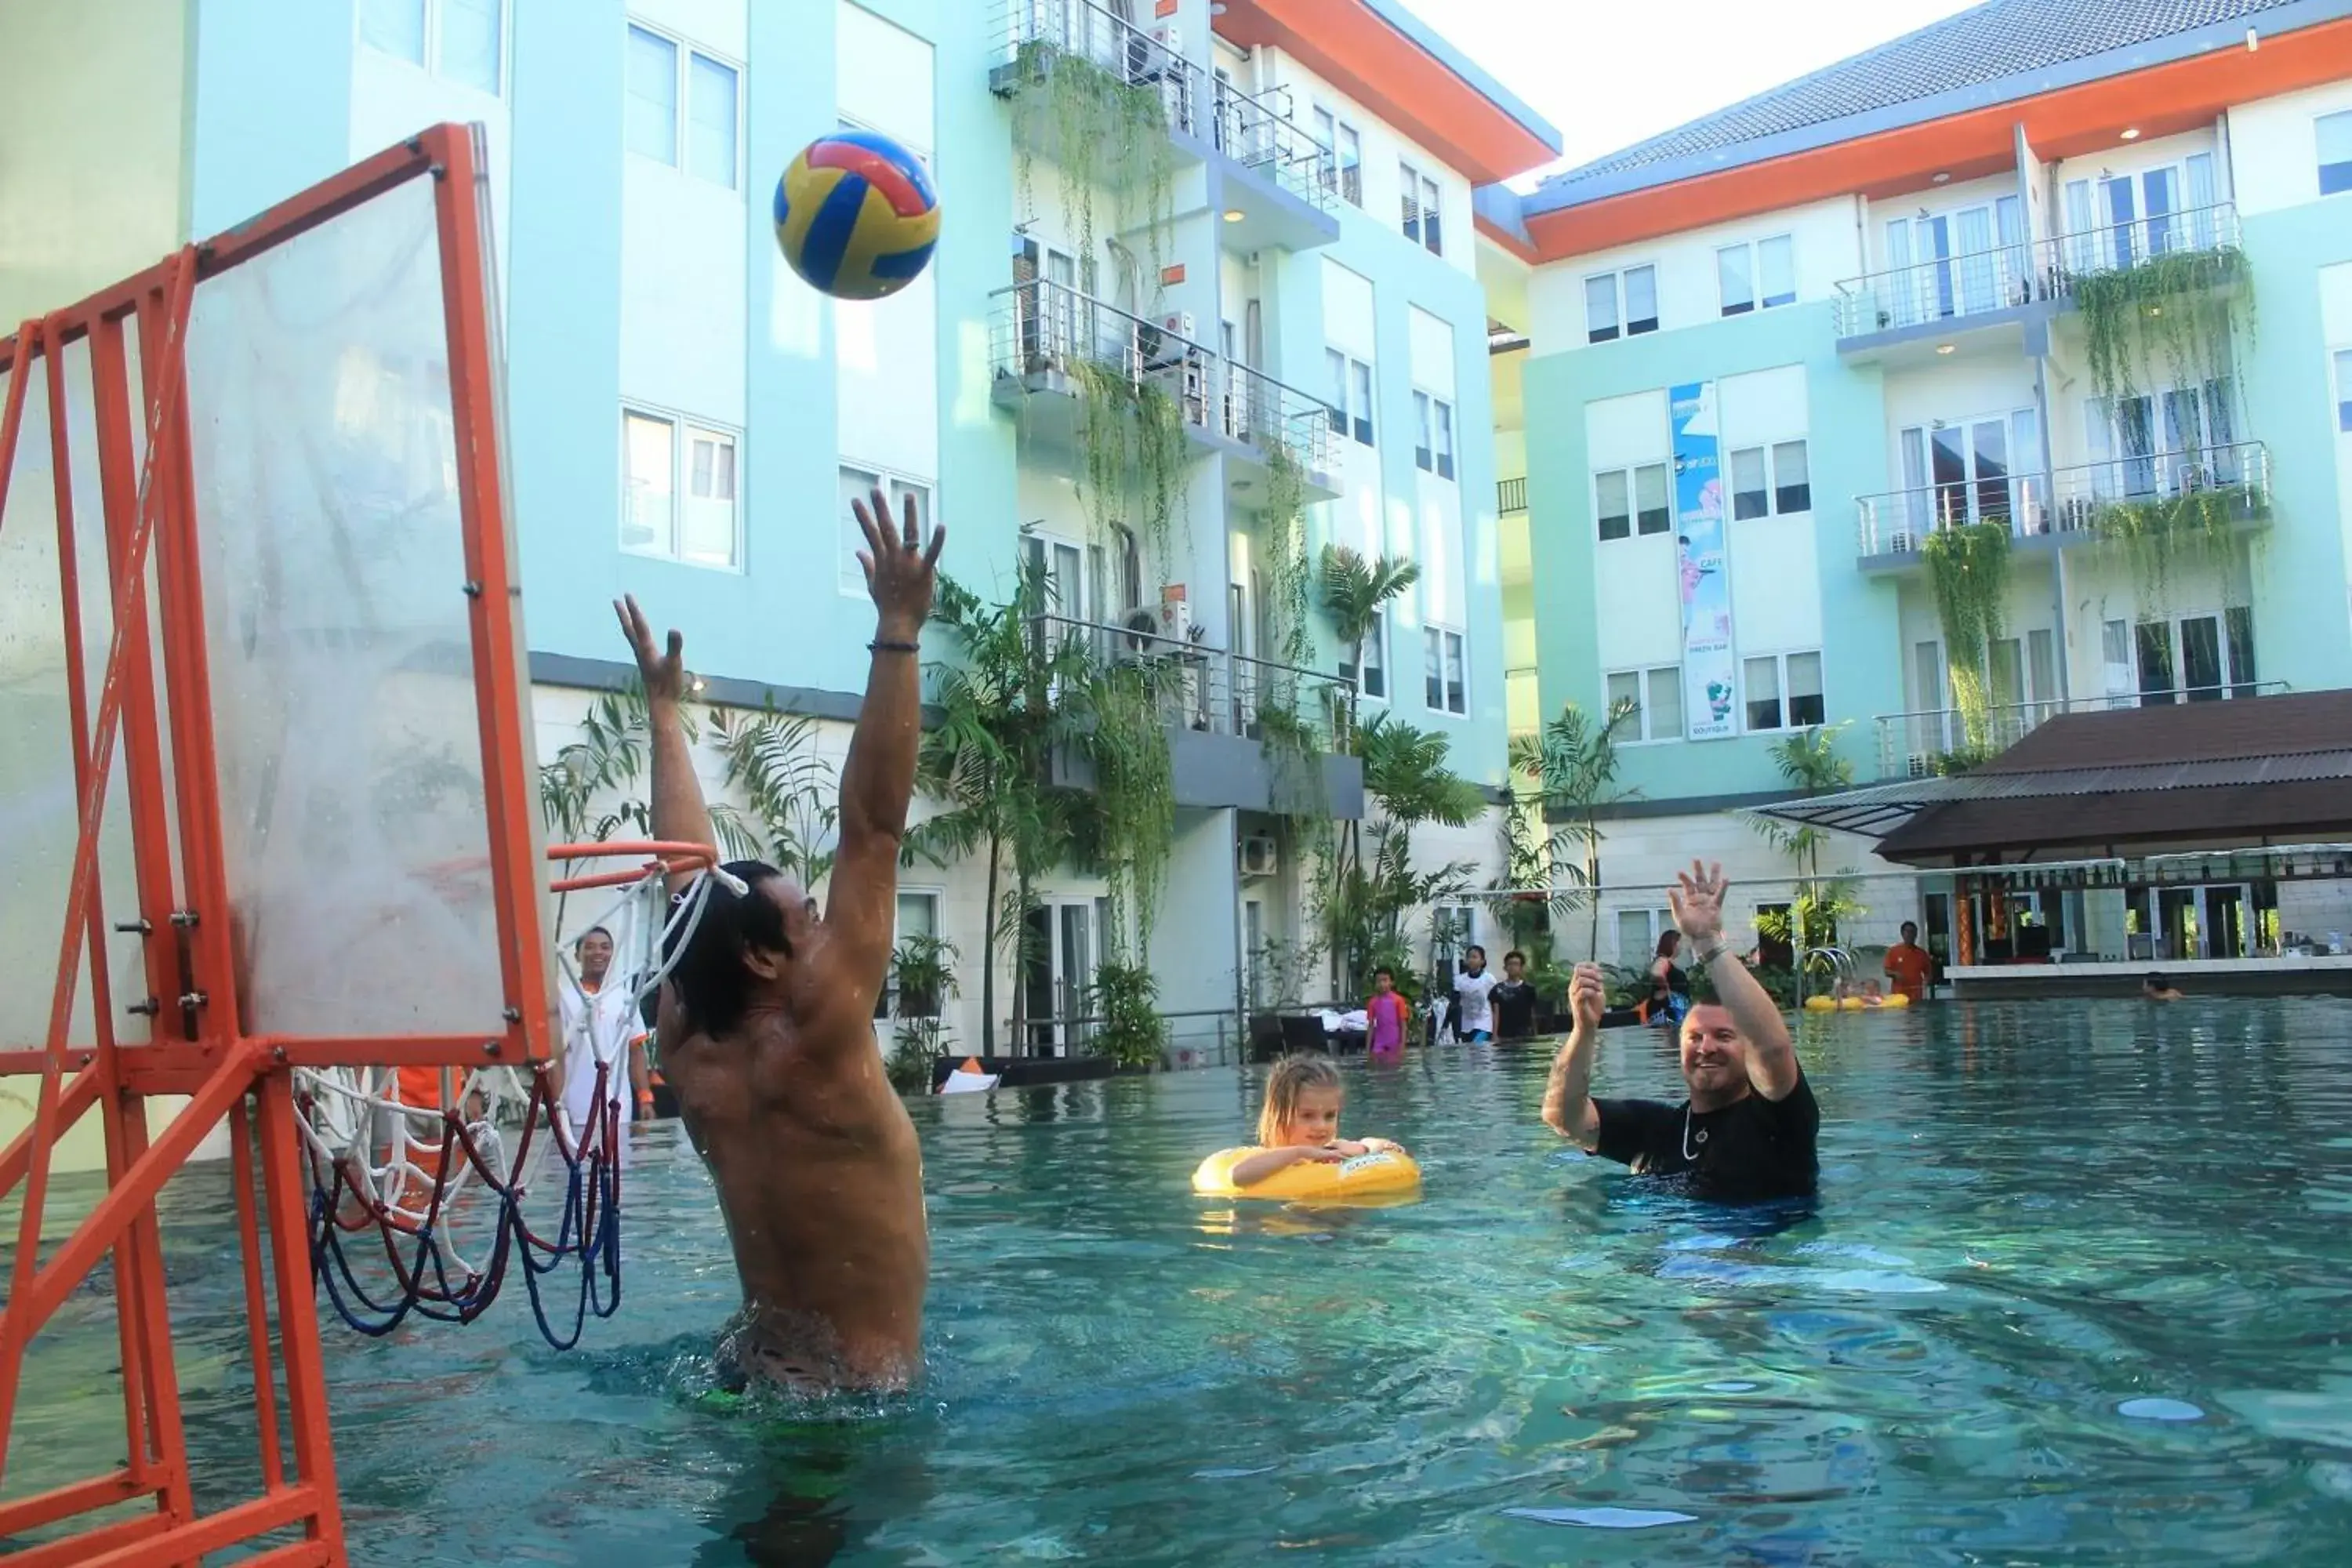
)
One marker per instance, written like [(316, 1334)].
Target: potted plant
[(922, 976), (1126, 998)]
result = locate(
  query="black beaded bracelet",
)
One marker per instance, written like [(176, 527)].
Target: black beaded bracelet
[(877, 646)]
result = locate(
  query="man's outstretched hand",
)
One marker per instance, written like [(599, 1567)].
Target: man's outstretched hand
[(900, 572), (1588, 996), (1699, 902), (663, 673)]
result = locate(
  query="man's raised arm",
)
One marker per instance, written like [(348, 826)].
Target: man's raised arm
[(679, 815), (1567, 1108), (1698, 914), (878, 781)]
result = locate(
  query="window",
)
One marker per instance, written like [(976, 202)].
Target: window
[(678, 490), (1351, 396), (2202, 658), (919, 916), (1420, 200), (1750, 494), (2343, 391), (1765, 483), (1784, 692), (1763, 274), (1638, 932), (1442, 671), (1626, 300), (1351, 165), (1453, 930), (663, 74), (1656, 697), (464, 39), (1374, 676), (2335, 152), (1434, 422), (859, 484), (1792, 488), (1625, 500)]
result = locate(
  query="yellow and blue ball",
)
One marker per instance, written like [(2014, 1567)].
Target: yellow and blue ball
[(856, 216)]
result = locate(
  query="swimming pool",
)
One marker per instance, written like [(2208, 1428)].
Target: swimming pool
[(2031, 1216)]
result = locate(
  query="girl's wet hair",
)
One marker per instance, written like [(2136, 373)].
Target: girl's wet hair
[(1291, 1076)]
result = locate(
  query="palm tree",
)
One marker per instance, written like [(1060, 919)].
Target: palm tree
[(1809, 762), (1354, 593), (989, 762), (1573, 763), (1406, 776)]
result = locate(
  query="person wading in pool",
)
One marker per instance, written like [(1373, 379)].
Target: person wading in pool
[(1747, 1129), (767, 1027)]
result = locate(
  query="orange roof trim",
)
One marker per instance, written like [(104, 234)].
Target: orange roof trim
[(2065, 123), (1354, 48)]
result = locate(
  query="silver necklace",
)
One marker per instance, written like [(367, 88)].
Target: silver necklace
[(1688, 1152)]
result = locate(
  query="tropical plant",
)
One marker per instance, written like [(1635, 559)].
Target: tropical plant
[(2159, 535), (1105, 133), (923, 977), (1967, 567), (1134, 463), (1363, 903), (1570, 770), (1278, 972), (1809, 762), (1354, 592), (988, 763), (1125, 997), (793, 798)]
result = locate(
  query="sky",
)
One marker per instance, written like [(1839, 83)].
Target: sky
[(1611, 72)]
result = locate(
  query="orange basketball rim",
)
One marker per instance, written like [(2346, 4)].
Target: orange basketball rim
[(273, 478)]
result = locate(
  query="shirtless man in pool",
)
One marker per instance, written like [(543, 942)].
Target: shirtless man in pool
[(771, 1006)]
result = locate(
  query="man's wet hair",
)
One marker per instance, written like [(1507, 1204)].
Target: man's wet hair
[(713, 985)]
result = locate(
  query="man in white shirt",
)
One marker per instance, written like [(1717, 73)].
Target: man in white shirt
[(601, 1023), (1472, 987)]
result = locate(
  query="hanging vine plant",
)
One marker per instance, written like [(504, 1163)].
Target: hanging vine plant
[(1105, 134), (2160, 536), (1135, 793), (1133, 468), (1289, 738), (1968, 569), (2180, 308)]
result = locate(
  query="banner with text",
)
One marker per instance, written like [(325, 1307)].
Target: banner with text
[(1710, 684)]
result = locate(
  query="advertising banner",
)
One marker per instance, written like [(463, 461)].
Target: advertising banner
[(1703, 572)]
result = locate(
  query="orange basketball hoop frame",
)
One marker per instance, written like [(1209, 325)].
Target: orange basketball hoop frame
[(189, 1035)]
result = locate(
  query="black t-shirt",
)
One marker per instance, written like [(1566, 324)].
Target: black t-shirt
[(1515, 1009), (1753, 1148)]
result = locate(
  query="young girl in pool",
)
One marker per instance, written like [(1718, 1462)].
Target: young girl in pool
[(1300, 1122)]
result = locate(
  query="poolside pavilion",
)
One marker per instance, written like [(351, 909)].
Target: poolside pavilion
[(2211, 840)]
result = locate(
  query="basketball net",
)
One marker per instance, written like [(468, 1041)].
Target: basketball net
[(455, 1190)]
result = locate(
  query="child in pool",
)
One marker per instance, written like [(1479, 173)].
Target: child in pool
[(1300, 1122)]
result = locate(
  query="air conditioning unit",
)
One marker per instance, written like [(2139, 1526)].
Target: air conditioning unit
[(1169, 36), (1178, 322), (1175, 615), (1259, 857), (1903, 542)]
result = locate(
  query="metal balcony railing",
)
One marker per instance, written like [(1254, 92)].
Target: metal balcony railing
[(1254, 133), (1035, 35), (1511, 495), (1898, 522), (1207, 689), (1044, 328), (1947, 288), (1922, 744)]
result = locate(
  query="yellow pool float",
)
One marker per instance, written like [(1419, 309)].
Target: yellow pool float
[(1852, 1004), (1821, 1003), (1381, 1175), (1895, 999)]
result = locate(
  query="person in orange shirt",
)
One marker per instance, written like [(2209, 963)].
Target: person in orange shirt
[(1907, 964)]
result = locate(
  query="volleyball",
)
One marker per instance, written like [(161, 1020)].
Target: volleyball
[(855, 216)]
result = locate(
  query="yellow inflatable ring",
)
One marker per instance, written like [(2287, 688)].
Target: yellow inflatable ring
[(1896, 999), (1380, 1175), (1821, 1003), (1852, 1004)]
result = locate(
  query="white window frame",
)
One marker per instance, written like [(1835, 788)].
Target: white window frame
[(1634, 529), (1780, 667), (1432, 451), (684, 429), (1753, 248), (1347, 420), (1771, 452), (431, 45), (1644, 732), (886, 1004), (1376, 661), (682, 111), (849, 576), (2174, 621), (1422, 218), (2321, 169), (1435, 636), (1623, 326), (1657, 922)]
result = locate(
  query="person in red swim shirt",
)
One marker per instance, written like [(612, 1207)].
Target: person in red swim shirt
[(1907, 964), (1387, 1017)]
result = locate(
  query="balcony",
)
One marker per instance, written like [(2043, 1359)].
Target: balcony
[(2071, 506), (1037, 37), (1052, 346), (2004, 283), (1277, 191), (1221, 708), (1943, 741)]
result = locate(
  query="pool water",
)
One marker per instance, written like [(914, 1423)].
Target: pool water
[(2075, 1292)]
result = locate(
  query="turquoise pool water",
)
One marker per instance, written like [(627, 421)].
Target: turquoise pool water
[(2031, 1218)]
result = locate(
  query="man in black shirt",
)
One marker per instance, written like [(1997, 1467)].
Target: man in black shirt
[(1513, 1000), (1748, 1131)]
